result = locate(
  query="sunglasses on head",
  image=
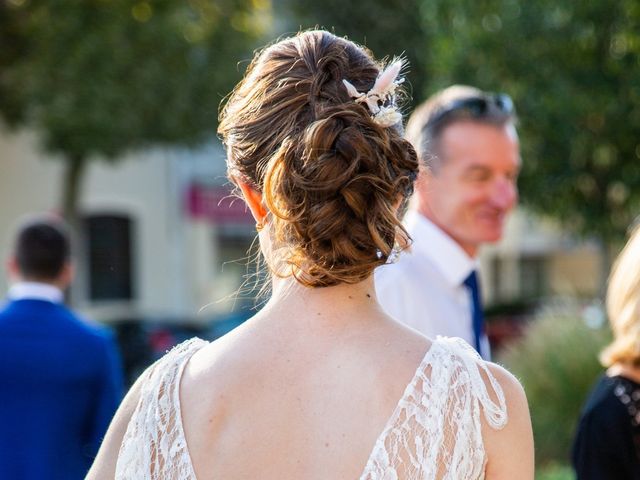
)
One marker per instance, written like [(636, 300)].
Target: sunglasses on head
[(475, 107)]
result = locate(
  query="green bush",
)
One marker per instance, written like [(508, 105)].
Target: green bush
[(555, 472), (556, 361)]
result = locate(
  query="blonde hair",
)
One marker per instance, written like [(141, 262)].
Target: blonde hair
[(623, 306)]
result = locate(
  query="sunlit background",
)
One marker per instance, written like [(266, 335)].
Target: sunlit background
[(108, 112)]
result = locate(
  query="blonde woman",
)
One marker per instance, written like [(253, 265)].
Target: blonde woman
[(607, 444), (321, 383)]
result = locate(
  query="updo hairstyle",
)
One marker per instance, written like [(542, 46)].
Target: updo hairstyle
[(331, 178)]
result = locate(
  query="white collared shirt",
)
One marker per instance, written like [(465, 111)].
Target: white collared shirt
[(424, 289), (35, 291)]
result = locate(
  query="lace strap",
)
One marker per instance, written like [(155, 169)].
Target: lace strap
[(435, 431), (495, 413), (167, 368), (153, 446)]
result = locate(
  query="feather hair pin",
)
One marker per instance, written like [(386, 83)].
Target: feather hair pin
[(380, 100)]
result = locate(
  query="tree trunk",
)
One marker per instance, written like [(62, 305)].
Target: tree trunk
[(71, 191), (71, 187)]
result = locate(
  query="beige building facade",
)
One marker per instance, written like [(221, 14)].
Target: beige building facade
[(163, 238), (536, 259), (145, 252)]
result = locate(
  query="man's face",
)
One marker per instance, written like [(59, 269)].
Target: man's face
[(472, 189)]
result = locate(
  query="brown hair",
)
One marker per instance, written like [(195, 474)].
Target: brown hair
[(424, 134), (330, 176)]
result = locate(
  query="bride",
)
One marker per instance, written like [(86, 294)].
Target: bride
[(321, 383)]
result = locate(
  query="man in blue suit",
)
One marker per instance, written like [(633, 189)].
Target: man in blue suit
[(60, 377)]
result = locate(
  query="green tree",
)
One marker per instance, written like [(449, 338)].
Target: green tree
[(98, 78), (573, 70), (387, 27)]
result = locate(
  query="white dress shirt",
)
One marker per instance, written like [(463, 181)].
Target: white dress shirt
[(35, 291), (424, 289)]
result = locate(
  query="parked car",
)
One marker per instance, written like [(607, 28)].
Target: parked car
[(144, 340), (223, 324)]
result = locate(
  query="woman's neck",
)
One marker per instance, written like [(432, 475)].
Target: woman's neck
[(326, 306), (624, 370)]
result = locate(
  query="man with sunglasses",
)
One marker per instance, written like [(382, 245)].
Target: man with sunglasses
[(469, 162)]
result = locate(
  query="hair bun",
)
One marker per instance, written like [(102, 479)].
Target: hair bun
[(331, 176), (335, 190)]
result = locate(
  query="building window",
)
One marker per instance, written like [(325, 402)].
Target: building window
[(533, 276), (109, 257), (495, 289)]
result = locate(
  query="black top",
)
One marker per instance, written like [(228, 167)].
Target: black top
[(607, 443)]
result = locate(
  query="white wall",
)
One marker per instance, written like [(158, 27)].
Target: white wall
[(174, 256), (172, 273), (28, 184)]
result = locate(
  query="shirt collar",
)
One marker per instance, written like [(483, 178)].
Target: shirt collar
[(430, 241), (35, 291)]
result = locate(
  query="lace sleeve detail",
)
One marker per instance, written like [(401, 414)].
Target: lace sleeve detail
[(154, 447), (494, 413), (435, 431)]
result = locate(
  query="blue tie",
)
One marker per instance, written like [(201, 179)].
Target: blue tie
[(476, 308)]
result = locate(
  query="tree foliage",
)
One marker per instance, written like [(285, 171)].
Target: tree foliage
[(387, 27), (572, 68), (100, 77)]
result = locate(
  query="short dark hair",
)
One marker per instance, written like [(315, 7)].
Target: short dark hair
[(42, 248), (429, 120)]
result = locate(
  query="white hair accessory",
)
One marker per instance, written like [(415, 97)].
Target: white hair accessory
[(381, 98)]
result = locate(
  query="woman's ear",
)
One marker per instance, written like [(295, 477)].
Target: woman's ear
[(254, 201)]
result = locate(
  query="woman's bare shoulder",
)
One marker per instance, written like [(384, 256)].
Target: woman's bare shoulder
[(510, 449)]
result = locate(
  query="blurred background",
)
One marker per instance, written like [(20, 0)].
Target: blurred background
[(108, 112)]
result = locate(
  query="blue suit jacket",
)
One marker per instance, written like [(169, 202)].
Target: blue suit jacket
[(60, 383)]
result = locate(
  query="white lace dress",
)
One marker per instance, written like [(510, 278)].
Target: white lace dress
[(434, 432)]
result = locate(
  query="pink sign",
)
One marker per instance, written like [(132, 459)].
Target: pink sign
[(217, 204)]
